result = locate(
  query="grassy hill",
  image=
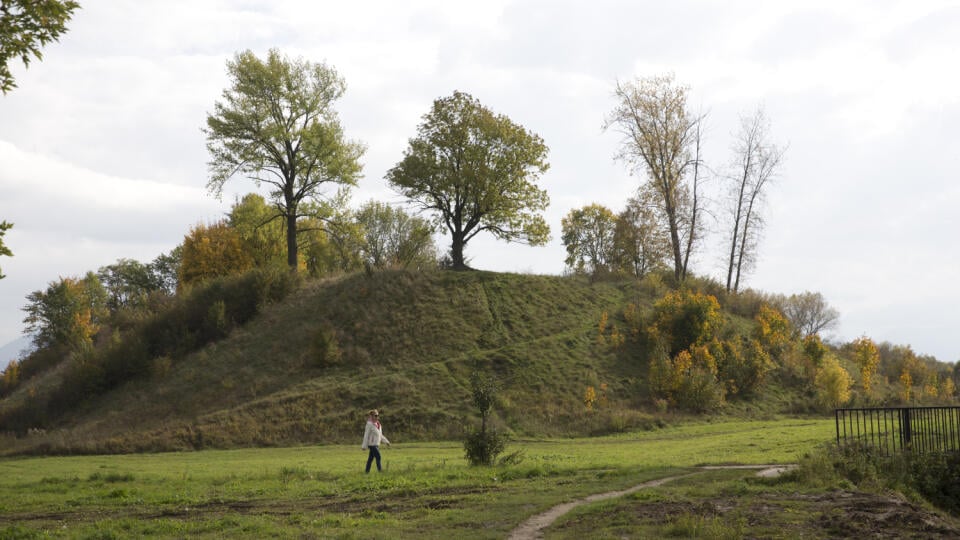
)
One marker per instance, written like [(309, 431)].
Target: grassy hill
[(305, 369)]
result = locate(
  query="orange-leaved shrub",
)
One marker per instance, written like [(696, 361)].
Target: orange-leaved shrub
[(683, 328)]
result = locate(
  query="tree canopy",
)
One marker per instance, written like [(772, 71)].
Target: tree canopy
[(477, 170), (210, 251), (69, 312), (393, 238), (809, 313), (641, 243), (25, 27), (661, 139), (588, 234), (276, 125)]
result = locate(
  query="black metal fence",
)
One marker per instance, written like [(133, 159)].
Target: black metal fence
[(894, 430)]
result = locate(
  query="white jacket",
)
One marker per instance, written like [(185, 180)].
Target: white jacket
[(372, 436)]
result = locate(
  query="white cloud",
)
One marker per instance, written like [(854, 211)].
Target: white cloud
[(69, 220)]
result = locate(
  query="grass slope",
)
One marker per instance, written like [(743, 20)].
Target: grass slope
[(407, 344)]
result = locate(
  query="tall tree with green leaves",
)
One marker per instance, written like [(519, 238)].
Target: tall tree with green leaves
[(260, 228), (4, 250), (25, 27), (129, 283), (661, 140), (276, 125), (588, 234), (641, 243), (210, 251), (69, 313), (478, 172), (391, 237)]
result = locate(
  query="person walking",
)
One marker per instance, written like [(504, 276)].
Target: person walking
[(372, 437)]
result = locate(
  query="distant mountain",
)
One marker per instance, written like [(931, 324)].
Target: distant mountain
[(12, 350)]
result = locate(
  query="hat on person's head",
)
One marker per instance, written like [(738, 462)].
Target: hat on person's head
[(373, 412)]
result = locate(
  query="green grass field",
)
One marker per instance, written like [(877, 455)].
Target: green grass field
[(426, 491)]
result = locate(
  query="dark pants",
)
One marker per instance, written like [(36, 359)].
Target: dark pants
[(374, 453)]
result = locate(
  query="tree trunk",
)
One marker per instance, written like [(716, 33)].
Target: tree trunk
[(694, 211), (670, 209), (734, 238), (291, 215), (292, 242), (743, 247), (456, 252), (675, 242), (747, 221)]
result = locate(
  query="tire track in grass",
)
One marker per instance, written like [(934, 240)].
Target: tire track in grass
[(532, 528)]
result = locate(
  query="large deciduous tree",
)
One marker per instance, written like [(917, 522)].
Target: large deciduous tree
[(588, 235), (478, 171), (641, 243), (809, 313), (212, 251), (391, 237), (277, 126), (68, 313), (129, 283), (25, 27), (260, 228), (756, 161), (661, 140), (4, 250)]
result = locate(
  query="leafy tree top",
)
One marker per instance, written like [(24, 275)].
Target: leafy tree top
[(276, 125), (25, 27), (478, 171)]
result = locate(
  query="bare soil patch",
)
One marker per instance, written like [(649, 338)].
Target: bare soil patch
[(839, 514)]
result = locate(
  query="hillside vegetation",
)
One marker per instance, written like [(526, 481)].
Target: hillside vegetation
[(570, 357)]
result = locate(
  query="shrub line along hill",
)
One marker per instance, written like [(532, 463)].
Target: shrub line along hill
[(307, 364)]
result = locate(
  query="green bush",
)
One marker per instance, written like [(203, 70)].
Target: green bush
[(743, 368), (215, 324), (699, 391), (936, 476), (325, 348), (684, 319), (483, 447)]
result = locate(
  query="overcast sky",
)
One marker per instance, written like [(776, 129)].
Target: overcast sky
[(102, 157)]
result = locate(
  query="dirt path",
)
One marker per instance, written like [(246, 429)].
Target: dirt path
[(532, 528)]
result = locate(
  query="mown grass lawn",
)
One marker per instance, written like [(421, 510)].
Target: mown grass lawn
[(426, 491)]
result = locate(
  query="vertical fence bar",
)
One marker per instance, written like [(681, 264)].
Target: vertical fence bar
[(923, 427), (891, 431), (953, 430), (885, 449), (906, 428), (836, 420), (917, 436), (938, 419), (875, 420)]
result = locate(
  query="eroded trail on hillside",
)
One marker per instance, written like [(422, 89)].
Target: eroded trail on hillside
[(533, 527)]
